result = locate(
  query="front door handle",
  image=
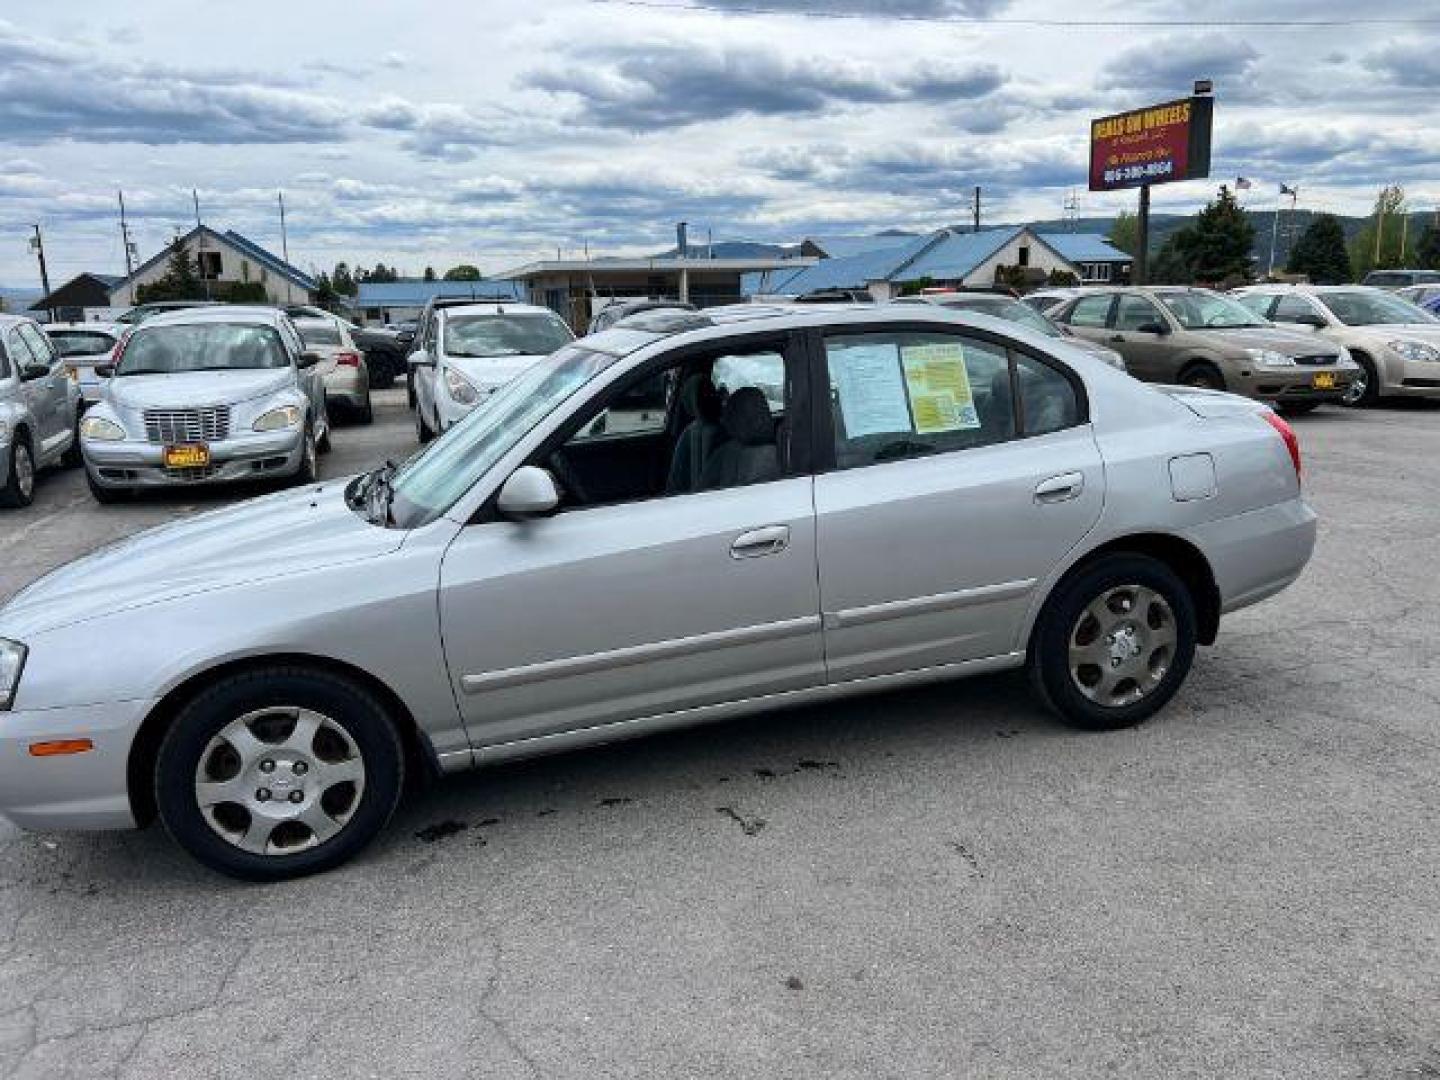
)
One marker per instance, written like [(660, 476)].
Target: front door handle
[(771, 540), (1117, 337), (1061, 488)]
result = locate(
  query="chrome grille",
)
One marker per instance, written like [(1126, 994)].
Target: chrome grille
[(172, 427), (1320, 360)]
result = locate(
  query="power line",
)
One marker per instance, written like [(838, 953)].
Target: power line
[(978, 22)]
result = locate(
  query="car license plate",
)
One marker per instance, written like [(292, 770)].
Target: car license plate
[(1324, 380), (187, 457)]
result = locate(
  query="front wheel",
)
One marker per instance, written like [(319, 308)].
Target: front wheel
[(1114, 642), (278, 773), (309, 469), (19, 487), (1365, 388), (1202, 376)]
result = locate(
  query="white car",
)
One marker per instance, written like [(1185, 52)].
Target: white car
[(467, 351), (84, 347)]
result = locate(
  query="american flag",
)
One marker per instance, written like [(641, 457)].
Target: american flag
[(1293, 192), (1242, 184)]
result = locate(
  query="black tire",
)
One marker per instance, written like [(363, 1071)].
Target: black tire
[(383, 370), (1371, 393), (1202, 375), (309, 470), (1049, 659), (322, 444), (366, 413), (106, 496), (352, 708), (72, 457), (14, 493), (1297, 408), (410, 389)]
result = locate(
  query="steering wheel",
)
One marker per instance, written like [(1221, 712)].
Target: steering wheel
[(566, 475)]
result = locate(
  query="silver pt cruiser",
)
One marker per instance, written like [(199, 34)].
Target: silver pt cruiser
[(206, 395), (921, 495)]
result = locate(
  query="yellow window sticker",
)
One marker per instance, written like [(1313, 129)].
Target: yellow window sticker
[(939, 387)]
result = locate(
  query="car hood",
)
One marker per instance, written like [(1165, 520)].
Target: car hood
[(491, 370), (263, 538), (1289, 342), (197, 389), (1428, 333)]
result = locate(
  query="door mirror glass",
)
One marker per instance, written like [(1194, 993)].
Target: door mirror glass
[(420, 358), (530, 492), (308, 360)]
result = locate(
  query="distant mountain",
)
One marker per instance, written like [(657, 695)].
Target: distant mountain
[(15, 299)]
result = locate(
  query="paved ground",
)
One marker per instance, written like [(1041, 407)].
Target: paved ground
[(939, 883)]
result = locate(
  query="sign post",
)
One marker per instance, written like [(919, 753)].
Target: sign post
[(1159, 144)]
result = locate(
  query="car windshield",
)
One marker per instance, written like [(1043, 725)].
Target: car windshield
[(1373, 309), (504, 334), (1003, 308), (167, 350), (318, 333), (430, 482), (1209, 311)]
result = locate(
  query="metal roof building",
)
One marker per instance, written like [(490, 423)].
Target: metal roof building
[(399, 301)]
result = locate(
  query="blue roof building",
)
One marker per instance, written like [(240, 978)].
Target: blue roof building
[(399, 301)]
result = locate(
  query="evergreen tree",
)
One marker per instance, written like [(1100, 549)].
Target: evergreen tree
[(1427, 251), (1320, 253), (325, 294), (181, 280), (463, 272), (1216, 246), (1365, 253), (1125, 232), (1170, 266), (342, 281), (429, 273)]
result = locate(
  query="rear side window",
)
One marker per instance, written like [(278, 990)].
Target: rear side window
[(903, 395), (40, 345), (1089, 311), (81, 342), (319, 335), (1048, 401)]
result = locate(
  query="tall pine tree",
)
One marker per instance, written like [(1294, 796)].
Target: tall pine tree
[(1216, 246), (1320, 253)]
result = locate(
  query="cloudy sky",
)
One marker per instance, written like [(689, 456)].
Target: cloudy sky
[(495, 131)]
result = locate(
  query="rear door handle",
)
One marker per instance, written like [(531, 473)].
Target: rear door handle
[(1061, 488), (771, 540)]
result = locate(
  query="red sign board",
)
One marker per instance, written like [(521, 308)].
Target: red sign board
[(1155, 145)]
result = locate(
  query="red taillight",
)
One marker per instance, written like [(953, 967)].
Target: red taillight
[(348, 359), (1287, 433)]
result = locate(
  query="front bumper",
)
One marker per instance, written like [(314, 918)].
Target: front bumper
[(250, 456), (73, 791), (1418, 378), (1294, 384)]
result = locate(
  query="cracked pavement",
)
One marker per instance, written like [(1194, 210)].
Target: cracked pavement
[(947, 882)]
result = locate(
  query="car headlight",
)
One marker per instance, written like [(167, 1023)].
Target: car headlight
[(1270, 358), (287, 416), (461, 388), (97, 427), (12, 662), (1415, 350)]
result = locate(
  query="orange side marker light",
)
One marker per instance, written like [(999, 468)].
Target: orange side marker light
[(60, 747)]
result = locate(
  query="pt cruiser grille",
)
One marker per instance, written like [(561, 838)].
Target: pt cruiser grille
[(174, 426)]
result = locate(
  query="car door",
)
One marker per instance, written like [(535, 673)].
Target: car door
[(1141, 334), (959, 474), (634, 602), (47, 394)]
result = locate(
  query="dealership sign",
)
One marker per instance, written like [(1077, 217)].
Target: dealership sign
[(1156, 145)]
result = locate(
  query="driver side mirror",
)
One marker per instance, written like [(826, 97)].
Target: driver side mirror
[(1152, 328), (420, 358), (530, 492), (31, 372), (308, 360), (104, 371)]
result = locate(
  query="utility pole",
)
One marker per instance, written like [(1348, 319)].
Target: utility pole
[(284, 244), (37, 245), (200, 243), (977, 209), (1141, 273), (1404, 234), (129, 247)]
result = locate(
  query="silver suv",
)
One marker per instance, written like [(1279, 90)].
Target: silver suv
[(40, 408)]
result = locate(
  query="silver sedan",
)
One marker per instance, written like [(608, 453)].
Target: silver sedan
[(929, 495)]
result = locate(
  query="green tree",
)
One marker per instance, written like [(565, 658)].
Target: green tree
[(1170, 266), (1125, 232), (1377, 245), (463, 272), (325, 294), (1320, 253), (342, 280), (1427, 251), (1216, 246), (181, 281), (381, 275), (429, 273)]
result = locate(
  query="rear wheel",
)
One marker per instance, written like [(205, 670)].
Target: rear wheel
[(1114, 642), (278, 773), (19, 487), (1202, 376)]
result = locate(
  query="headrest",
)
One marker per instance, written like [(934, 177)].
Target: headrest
[(747, 417), (700, 399)]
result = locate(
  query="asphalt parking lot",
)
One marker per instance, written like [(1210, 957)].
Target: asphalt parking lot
[(934, 883)]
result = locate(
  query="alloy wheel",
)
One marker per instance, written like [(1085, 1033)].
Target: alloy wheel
[(279, 780), (24, 471), (1355, 392), (1122, 645)]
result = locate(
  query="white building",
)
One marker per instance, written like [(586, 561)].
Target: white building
[(223, 258)]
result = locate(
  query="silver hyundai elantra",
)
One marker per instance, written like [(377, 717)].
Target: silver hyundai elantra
[(684, 518)]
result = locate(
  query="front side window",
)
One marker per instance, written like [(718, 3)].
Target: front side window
[(166, 350), (500, 335), (1363, 308), (40, 346), (903, 395), (1293, 309), (1134, 312), (1199, 310), (1090, 311)]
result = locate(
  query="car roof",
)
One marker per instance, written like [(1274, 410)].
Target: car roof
[(220, 313), (502, 307), (1303, 287), (103, 327)]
